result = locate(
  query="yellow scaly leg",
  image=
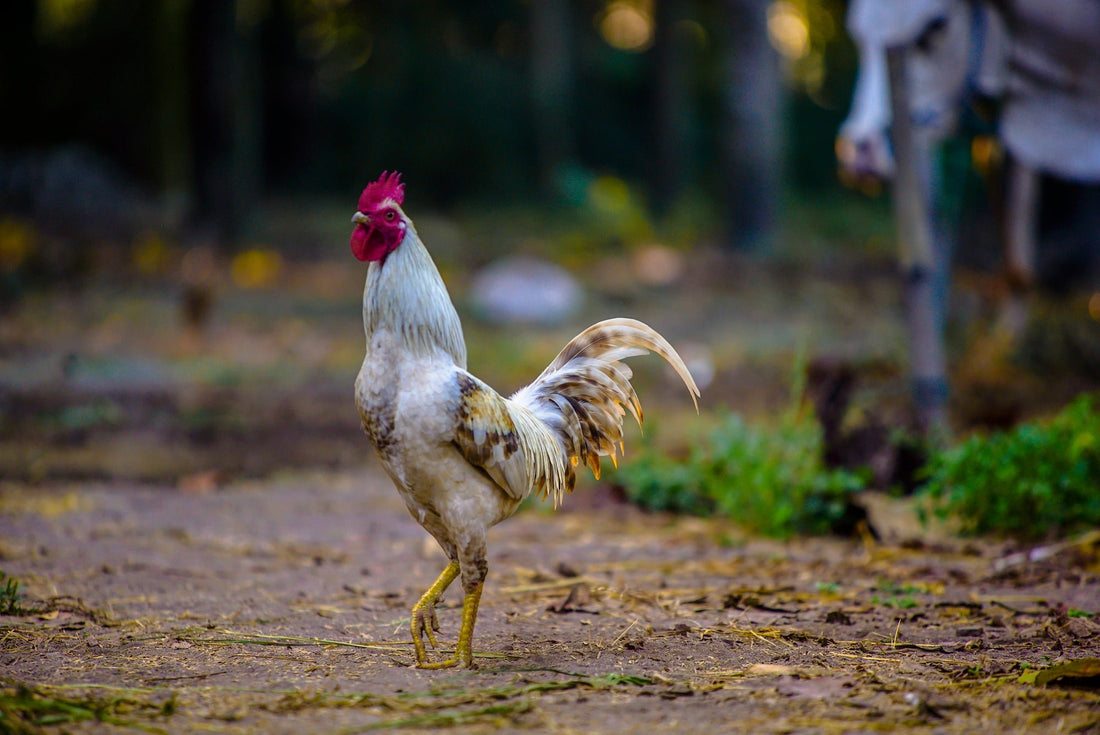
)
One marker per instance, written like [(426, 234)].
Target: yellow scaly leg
[(423, 612), (464, 652)]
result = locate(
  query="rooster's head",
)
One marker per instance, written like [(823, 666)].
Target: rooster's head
[(380, 224)]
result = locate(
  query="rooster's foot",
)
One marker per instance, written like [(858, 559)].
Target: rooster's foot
[(424, 621), (464, 653)]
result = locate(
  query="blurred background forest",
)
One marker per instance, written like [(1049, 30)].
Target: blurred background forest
[(205, 109), (177, 303)]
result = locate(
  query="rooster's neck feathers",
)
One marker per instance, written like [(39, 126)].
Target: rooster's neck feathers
[(406, 295)]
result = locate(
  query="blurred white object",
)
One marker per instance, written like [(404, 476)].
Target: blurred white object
[(525, 290)]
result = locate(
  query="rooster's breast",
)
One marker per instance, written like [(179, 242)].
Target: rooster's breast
[(406, 402), (409, 407)]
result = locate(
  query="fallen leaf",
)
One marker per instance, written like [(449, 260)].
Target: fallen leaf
[(1082, 672)]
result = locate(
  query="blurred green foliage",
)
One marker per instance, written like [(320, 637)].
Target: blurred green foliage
[(768, 479), (1038, 479), (658, 481)]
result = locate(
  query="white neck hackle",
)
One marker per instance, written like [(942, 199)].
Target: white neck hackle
[(405, 294)]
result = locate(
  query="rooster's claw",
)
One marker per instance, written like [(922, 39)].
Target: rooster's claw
[(425, 623)]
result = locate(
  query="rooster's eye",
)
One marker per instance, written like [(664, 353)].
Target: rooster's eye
[(390, 215)]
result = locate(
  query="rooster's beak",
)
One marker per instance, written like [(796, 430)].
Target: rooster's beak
[(360, 219)]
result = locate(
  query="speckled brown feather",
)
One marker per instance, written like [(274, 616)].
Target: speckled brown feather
[(572, 414), (485, 427), (513, 447)]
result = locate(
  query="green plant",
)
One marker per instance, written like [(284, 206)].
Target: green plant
[(656, 481), (9, 596), (1040, 478), (897, 596), (769, 479), (26, 708), (773, 480), (903, 602)]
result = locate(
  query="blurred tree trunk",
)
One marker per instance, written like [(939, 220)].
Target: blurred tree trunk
[(751, 127), (174, 145), (19, 72), (289, 106), (552, 86), (247, 114), (228, 105), (672, 109)]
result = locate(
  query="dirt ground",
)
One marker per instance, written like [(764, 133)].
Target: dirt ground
[(204, 543), (282, 606)]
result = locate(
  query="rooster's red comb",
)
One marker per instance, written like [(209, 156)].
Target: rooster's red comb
[(388, 186)]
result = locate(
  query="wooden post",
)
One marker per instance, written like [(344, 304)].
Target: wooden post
[(1021, 231), (924, 261)]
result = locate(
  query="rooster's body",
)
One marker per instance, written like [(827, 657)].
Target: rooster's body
[(462, 456)]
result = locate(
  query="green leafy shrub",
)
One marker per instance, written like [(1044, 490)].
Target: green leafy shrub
[(656, 481), (1040, 478), (770, 480)]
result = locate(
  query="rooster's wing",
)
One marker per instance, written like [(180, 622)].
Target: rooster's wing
[(508, 442)]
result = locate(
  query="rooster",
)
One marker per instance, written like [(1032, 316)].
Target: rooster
[(462, 456)]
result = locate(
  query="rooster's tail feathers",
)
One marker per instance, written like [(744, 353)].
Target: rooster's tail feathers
[(585, 392)]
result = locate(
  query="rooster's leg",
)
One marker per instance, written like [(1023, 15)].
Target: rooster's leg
[(464, 652), (471, 559), (424, 620)]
